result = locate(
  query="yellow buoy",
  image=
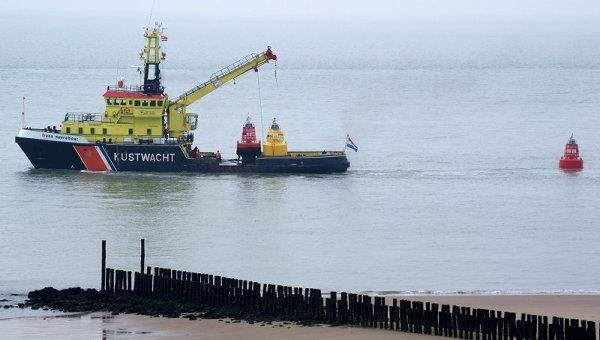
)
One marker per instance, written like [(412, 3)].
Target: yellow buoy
[(275, 144)]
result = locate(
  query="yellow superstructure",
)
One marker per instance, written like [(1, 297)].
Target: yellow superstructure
[(144, 112), (126, 118), (275, 145)]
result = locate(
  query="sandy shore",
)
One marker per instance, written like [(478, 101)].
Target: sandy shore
[(98, 325)]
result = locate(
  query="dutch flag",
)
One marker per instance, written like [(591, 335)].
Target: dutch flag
[(350, 144)]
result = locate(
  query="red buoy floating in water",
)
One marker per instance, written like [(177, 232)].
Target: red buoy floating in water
[(571, 160)]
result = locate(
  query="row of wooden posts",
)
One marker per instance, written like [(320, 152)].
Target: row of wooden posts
[(307, 304)]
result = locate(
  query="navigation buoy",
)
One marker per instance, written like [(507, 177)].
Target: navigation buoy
[(571, 160), (248, 148)]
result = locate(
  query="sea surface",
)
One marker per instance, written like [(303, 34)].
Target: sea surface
[(455, 187)]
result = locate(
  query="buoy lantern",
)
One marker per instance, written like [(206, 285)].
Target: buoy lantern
[(571, 160)]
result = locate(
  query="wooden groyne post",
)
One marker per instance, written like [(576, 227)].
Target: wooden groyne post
[(307, 304), (142, 254), (103, 278)]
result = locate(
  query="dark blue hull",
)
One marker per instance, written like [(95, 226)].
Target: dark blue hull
[(58, 154), (312, 164)]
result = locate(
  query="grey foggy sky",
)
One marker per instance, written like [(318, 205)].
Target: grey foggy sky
[(388, 10)]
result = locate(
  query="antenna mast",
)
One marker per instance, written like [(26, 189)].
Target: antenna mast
[(23, 114), (151, 11)]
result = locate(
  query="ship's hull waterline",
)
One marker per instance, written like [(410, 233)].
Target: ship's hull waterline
[(59, 151)]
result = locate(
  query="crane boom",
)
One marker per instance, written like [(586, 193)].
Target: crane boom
[(223, 76), (179, 121)]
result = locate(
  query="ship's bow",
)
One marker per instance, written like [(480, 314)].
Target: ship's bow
[(48, 150)]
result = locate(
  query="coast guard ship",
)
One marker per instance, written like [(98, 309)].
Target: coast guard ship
[(142, 129)]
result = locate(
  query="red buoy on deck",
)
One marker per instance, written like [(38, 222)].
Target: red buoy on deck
[(248, 148), (571, 160)]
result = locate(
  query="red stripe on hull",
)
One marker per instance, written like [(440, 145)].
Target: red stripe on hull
[(90, 158)]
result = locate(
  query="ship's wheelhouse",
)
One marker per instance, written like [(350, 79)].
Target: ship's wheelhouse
[(128, 116)]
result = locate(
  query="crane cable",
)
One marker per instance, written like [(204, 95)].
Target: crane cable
[(276, 82), (262, 129)]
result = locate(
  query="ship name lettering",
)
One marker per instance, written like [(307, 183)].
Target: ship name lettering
[(63, 137)]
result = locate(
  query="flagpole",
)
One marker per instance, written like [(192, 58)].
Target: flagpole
[(350, 144), (23, 114)]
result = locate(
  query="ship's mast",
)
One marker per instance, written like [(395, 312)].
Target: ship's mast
[(152, 57)]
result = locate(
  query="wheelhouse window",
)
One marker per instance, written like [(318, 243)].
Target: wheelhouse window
[(80, 131), (137, 103), (68, 129), (92, 131), (144, 103), (149, 132), (153, 103), (104, 131), (160, 103), (130, 132)]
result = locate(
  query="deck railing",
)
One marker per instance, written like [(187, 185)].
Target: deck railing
[(83, 117), (133, 88)]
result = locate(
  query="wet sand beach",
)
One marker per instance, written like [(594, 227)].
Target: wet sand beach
[(104, 325)]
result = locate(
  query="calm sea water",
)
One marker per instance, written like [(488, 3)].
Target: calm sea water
[(455, 186)]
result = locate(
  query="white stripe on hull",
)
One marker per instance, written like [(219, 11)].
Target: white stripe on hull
[(106, 162), (51, 136)]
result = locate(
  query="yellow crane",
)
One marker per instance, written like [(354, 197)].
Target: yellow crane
[(180, 121), (145, 112)]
